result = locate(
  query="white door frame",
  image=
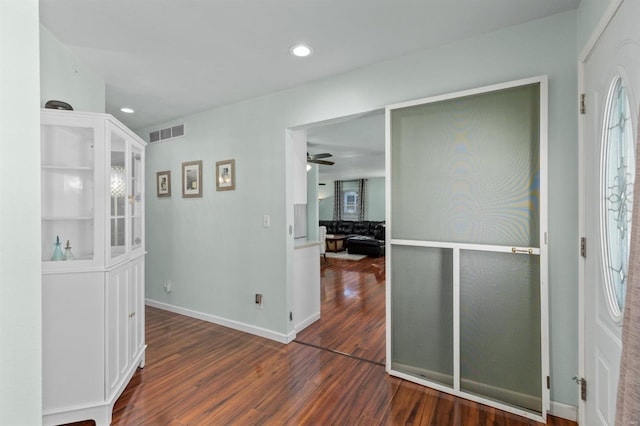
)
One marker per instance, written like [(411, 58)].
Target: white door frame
[(582, 59)]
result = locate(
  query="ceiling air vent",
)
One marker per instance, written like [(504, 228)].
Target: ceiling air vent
[(177, 131), (154, 136), (166, 134)]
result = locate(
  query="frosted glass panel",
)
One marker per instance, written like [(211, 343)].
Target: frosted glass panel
[(422, 312), (500, 327), (466, 169)]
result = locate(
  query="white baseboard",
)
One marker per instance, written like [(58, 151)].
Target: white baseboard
[(307, 322), (565, 411), (236, 325)]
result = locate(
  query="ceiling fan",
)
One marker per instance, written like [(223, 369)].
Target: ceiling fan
[(318, 159)]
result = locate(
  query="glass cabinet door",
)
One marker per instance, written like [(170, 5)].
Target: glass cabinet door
[(92, 200), (117, 204), (136, 187), (68, 191)]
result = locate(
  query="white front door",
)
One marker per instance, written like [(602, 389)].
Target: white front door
[(612, 90)]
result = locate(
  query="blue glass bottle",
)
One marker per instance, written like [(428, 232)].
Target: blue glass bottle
[(57, 251)]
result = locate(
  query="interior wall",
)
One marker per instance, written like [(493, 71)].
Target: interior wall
[(589, 14), (20, 289), (312, 203), (204, 245), (64, 77), (376, 199), (325, 200)]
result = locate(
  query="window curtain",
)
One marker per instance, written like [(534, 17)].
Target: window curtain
[(362, 199), (628, 402), (338, 203)]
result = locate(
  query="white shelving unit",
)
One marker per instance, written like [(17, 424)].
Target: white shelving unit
[(92, 174)]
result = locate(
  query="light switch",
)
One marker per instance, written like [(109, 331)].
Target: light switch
[(266, 221)]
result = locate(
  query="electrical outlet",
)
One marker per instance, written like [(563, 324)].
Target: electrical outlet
[(258, 298), (167, 286)]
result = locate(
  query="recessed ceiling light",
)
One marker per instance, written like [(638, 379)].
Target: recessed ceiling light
[(300, 50), (127, 110)]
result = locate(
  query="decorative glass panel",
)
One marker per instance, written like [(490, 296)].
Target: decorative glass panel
[(618, 175)]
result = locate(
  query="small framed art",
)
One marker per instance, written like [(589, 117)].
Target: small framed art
[(163, 183), (192, 179), (226, 175)]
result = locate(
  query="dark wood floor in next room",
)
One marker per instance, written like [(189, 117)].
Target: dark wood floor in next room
[(199, 373)]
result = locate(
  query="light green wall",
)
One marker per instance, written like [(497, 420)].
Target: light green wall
[(64, 77), (325, 204), (20, 294), (589, 14), (312, 203), (375, 200), (215, 249)]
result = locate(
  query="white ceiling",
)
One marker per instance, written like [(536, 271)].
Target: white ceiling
[(357, 146), (167, 58), (170, 58)]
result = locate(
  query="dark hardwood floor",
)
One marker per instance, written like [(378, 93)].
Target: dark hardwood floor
[(352, 318), (198, 373)]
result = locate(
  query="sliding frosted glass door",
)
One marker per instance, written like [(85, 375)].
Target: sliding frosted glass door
[(467, 289)]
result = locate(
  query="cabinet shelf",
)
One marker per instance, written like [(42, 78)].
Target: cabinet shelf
[(66, 168), (68, 262), (48, 218)]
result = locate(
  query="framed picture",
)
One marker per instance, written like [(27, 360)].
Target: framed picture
[(163, 183), (226, 175), (192, 179)]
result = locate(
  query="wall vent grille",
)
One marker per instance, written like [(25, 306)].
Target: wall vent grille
[(166, 134)]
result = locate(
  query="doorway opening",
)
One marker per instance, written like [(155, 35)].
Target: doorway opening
[(352, 289)]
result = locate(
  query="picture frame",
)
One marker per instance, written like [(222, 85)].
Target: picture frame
[(226, 175), (192, 179), (163, 183)]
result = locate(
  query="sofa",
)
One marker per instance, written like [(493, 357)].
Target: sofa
[(363, 237)]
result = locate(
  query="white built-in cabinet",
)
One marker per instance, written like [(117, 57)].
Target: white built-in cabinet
[(92, 177)]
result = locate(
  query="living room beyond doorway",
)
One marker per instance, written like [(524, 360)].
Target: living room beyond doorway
[(352, 320)]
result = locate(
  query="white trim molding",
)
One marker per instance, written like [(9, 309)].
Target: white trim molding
[(236, 325), (565, 411)]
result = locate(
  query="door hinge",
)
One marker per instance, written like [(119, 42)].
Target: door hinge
[(548, 382), (583, 107), (583, 246), (583, 387)]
